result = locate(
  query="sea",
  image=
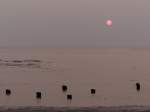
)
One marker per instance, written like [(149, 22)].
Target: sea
[(111, 72)]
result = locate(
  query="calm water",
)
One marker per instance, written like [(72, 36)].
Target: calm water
[(112, 72)]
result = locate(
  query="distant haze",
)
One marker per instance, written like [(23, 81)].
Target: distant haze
[(75, 23)]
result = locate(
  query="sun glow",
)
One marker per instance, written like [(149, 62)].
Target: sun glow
[(109, 22)]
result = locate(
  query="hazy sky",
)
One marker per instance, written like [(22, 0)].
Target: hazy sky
[(75, 23)]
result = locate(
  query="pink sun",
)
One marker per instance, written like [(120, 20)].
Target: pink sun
[(109, 22)]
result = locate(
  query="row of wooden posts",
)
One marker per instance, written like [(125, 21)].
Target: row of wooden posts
[(64, 89)]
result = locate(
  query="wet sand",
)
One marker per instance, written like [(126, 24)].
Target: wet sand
[(77, 109), (112, 72)]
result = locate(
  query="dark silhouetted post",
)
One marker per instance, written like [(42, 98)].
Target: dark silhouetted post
[(138, 86), (93, 91), (64, 88), (69, 97), (38, 95), (8, 92)]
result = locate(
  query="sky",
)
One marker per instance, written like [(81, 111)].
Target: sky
[(75, 23)]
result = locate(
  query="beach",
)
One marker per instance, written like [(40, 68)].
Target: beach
[(112, 72)]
